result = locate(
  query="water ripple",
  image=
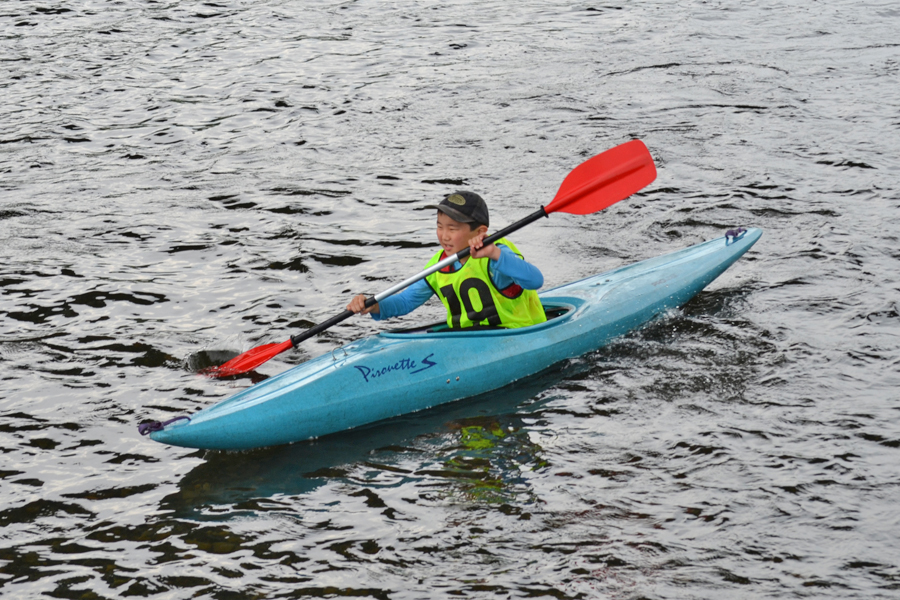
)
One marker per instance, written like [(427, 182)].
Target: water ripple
[(180, 182)]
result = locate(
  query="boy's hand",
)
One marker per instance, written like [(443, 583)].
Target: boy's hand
[(358, 305), (478, 250)]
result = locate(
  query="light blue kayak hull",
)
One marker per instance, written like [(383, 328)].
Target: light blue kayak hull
[(395, 373)]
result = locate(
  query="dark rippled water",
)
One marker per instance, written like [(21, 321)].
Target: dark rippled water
[(182, 181)]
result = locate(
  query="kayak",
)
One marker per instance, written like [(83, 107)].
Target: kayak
[(403, 371)]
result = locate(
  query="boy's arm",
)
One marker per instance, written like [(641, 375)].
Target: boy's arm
[(511, 269), (404, 302)]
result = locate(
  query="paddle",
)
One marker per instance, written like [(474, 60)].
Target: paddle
[(593, 185)]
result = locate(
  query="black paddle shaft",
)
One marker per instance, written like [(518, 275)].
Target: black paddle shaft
[(320, 327)]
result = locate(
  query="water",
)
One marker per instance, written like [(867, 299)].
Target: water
[(184, 181)]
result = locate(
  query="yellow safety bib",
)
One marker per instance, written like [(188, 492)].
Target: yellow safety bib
[(471, 298)]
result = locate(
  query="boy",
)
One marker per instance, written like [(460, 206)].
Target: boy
[(494, 287)]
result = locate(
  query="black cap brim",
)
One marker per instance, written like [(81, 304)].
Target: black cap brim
[(452, 213)]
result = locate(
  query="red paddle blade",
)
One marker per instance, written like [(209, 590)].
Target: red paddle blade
[(605, 179), (249, 360)]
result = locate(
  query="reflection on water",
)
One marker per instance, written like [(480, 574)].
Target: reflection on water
[(476, 449)]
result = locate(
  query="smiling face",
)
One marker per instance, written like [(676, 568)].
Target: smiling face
[(454, 235)]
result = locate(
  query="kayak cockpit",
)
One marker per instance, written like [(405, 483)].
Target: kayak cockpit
[(554, 311)]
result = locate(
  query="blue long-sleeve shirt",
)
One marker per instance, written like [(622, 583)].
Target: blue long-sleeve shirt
[(508, 270)]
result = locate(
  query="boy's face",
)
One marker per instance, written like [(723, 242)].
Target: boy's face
[(453, 235)]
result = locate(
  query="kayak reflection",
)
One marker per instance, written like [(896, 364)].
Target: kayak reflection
[(479, 446)]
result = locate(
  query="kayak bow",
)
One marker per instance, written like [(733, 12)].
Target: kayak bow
[(402, 371)]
